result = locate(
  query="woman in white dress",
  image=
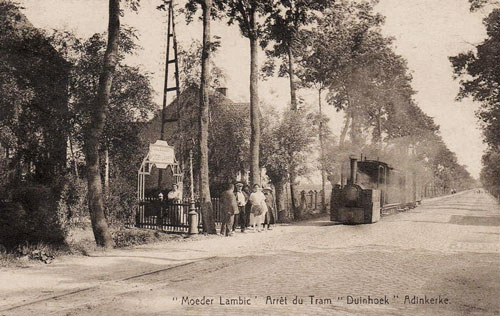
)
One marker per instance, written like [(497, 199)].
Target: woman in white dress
[(259, 207)]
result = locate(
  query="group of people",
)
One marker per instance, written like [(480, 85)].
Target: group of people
[(247, 209), (174, 195)]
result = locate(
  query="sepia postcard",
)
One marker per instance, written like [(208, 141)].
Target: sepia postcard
[(249, 157)]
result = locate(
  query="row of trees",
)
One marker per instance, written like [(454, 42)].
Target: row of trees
[(338, 49), (335, 48), (479, 73)]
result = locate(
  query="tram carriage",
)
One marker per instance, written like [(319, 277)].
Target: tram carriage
[(373, 187)]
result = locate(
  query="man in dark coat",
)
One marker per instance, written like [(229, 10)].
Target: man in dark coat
[(271, 214), (228, 207), (248, 205), (241, 200)]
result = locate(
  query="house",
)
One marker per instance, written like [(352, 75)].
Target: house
[(228, 124)]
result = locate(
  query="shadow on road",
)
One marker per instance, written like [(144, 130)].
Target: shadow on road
[(321, 222)]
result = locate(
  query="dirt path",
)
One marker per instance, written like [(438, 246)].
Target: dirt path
[(447, 250)]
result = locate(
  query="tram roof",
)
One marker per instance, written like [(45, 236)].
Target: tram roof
[(376, 163)]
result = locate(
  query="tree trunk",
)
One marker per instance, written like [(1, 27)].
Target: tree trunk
[(254, 106), (291, 74), (95, 198), (343, 134), (322, 156), (206, 202), (379, 131), (106, 171), (354, 130), (73, 158), (293, 101), (280, 202), (297, 214)]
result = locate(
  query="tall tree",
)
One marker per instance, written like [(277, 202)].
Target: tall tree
[(204, 110), (206, 202), (283, 25), (247, 13), (315, 70), (479, 74), (328, 55), (92, 139)]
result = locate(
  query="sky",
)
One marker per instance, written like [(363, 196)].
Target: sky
[(426, 33)]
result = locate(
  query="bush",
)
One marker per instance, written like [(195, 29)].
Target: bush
[(4, 179), (32, 217), (73, 200), (9, 260), (120, 202), (22, 254), (134, 236)]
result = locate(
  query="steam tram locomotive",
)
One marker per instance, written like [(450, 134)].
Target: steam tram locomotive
[(373, 188)]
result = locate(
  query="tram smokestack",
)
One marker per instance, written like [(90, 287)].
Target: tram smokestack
[(354, 170)]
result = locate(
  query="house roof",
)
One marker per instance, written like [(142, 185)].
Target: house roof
[(188, 103)]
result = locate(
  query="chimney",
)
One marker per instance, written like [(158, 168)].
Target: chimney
[(222, 90)]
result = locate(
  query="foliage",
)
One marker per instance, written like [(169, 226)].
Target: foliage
[(36, 252), (32, 217), (73, 199), (276, 168), (190, 66), (286, 148), (33, 79), (333, 155), (282, 29), (490, 172), (345, 54), (478, 4), (121, 201), (241, 12), (479, 74), (131, 97), (42, 252), (131, 103), (132, 237), (228, 140), (287, 145)]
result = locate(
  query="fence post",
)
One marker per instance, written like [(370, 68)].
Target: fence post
[(193, 218), (311, 197), (303, 200), (315, 199)]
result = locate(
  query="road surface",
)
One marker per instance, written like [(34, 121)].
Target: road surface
[(442, 258)]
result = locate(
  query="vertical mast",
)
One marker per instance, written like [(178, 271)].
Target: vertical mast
[(171, 39)]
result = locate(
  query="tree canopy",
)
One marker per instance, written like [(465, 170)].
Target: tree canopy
[(131, 100), (478, 72)]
